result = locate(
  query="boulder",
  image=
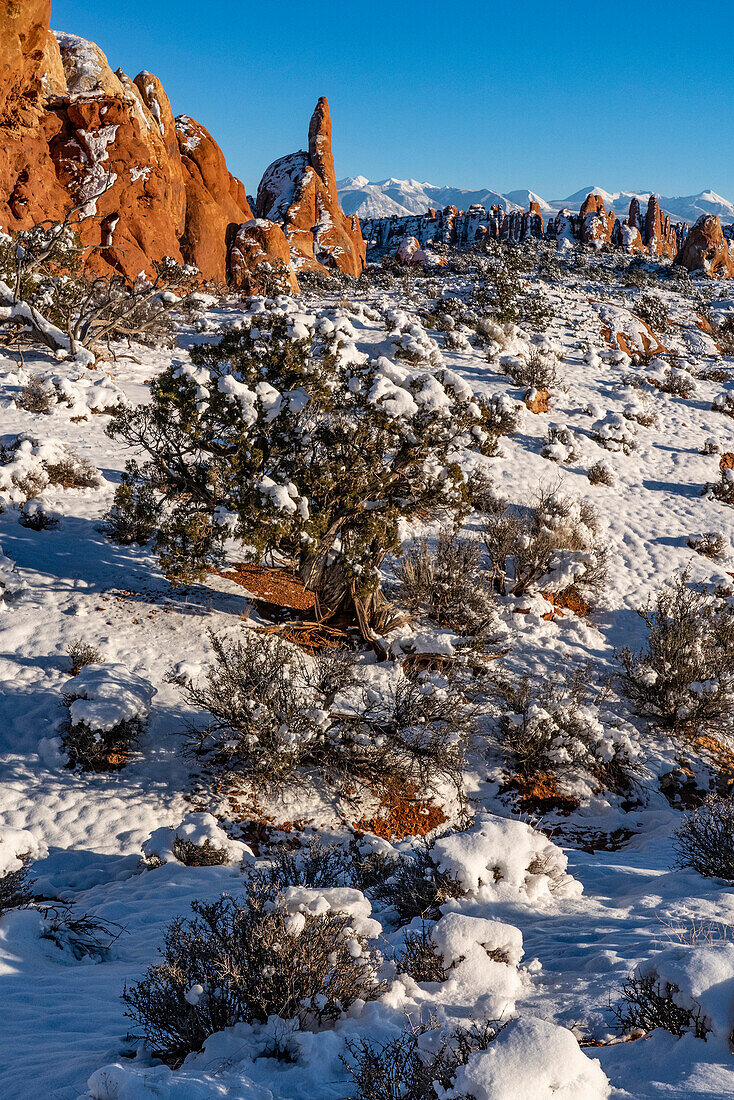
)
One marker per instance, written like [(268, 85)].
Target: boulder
[(596, 224), (706, 249), (299, 193), (259, 241)]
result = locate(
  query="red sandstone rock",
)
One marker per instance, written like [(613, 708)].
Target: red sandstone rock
[(707, 249), (298, 192), (257, 242), (596, 224)]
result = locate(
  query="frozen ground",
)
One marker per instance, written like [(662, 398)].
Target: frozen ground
[(63, 1018)]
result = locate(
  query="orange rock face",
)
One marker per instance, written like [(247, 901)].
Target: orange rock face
[(74, 134), (707, 249), (596, 224), (257, 242), (298, 192)]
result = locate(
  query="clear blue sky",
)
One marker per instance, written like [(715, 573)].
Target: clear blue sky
[(552, 96)]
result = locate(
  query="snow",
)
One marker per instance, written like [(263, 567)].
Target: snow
[(104, 695), (550, 923)]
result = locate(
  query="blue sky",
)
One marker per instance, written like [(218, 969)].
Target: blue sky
[(552, 96)]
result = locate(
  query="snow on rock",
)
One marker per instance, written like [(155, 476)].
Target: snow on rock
[(200, 829), (501, 858), (531, 1060), (104, 695)]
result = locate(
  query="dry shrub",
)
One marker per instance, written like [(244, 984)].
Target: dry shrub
[(81, 653), (244, 961), (647, 1003), (684, 678), (710, 544), (419, 957), (37, 397), (16, 888), (448, 583), (705, 839), (415, 887), (601, 474), (199, 855)]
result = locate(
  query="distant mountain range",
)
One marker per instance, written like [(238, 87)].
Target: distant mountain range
[(382, 198)]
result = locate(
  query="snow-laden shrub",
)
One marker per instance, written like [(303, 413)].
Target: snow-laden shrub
[(273, 718), (559, 724), (554, 544), (134, 514), (502, 859), (419, 957), (601, 473), (677, 382), (647, 1003), (505, 415), (413, 344), (711, 544), (300, 957), (482, 494), (723, 489), (653, 310), (724, 403), (481, 957), (317, 864), (108, 706), (37, 517), (561, 444), (639, 407), (418, 1064), (684, 677), (199, 841), (18, 848), (81, 653), (305, 445), (705, 839), (448, 582), (614, 432), (536, 371), (502, 339), (711, 446), (36, 397), (415, 887), (531, 1058), (29, 464)]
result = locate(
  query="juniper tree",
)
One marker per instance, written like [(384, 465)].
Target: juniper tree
[(285, 436)]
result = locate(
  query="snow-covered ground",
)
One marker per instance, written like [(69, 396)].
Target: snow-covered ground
[(563, 952)]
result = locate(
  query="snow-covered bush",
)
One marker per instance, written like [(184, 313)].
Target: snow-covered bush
[(81, 653), (723, 489), (199, 841), (554, 544), (558, 724), (11, 583), (272, 717), (537, 371), (561, 444), (601, 473), (29, 464), (303, 957), (418, 1064), (684, 677), (303, 444), (415, 886), (419, 957), (639, 408), (18, 848), (653, 310), (37, 517), (705, 839), (502, 859), (724, 403), (647, 1002), (531, 1058), (108, 707), (134, 514), (448, 582), (36, 396), (711, 544), (614, 432)]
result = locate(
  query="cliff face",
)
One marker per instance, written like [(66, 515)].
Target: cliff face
[(298, 192), (76, 135)]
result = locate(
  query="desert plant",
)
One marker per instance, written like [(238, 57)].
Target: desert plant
[(555, 542), (601, 474), (555, 725), (415, 886), (36, 397), (133, 516), (561, 444), (647, 1002), (448, 582), (710, 544), (245, 961), (724, 403), (293, 445), (653, 310), (705, 839), (16, 887), (684, 678), (419, 957), (418, 1064), (198, 855), (81, 653)]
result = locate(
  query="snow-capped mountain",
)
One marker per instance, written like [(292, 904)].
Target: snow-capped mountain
[(383, 198)]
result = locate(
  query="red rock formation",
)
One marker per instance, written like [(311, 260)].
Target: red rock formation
[(707, 249), (259, 242), (596, 224), (75, 134), (299, 193)]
